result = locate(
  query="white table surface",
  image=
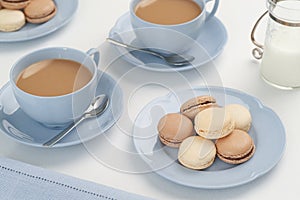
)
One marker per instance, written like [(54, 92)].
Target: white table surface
[(107, 159)]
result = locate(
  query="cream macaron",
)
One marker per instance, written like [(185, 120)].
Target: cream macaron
[(236, 148), (213, 123), (173, 128), (11, 20), (197, 153), (193, 106), (240, 115)]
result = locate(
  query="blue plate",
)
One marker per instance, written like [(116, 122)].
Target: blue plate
[(267, 132), (18, 126), (65, 12), (208, 46)]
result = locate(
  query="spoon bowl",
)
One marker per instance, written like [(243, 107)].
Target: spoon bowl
[(98, 105), (96, 108)]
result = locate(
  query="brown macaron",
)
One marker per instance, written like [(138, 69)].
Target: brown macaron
[(14, 4), (236, 148), (40, 11), (193, 106), (173, 128)]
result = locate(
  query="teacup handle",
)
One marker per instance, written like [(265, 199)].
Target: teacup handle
[(213, 11), (258, 51), (95, 53)]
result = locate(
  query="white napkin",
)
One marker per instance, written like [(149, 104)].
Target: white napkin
[(21, 181)]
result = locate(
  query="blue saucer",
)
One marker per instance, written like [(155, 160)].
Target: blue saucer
[(65, 12), (267, 131), (209, 45), (20, 127)]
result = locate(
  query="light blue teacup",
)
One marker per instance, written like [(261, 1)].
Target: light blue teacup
[(170, 38), (56, 111)]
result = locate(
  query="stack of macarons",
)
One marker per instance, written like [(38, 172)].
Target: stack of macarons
[(15, 13), (203, 130)]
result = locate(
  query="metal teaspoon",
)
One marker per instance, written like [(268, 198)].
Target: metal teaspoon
[(97, 107), (172, 59)]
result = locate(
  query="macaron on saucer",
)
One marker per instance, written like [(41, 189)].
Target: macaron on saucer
[(193, 106), (268, 138), (173, 128), (64, 13), (240, 115), (213, 123), (197, 153), (14, 4), (40, 11), (236, 148), (11, 20)]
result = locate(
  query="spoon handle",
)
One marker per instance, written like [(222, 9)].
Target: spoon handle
[(132, 47), (62, 134)]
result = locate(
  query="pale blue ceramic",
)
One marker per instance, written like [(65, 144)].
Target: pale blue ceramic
[(17, 125), (266, 130), (170, 38), (208, 46), (65, 12), (57, 110)]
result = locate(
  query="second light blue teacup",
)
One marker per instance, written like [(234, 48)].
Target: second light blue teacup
[(175, 38), (56, 111)]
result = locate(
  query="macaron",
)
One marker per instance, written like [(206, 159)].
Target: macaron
[(240, 115), (193, 106), (173, 128), (236, 148), (40, 11), (213, 123), (11, 20), (14, 4), (197, 153)]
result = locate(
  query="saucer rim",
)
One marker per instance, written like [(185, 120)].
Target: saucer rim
[(182, 176), (80, 140), (218, 50), (44, 29)]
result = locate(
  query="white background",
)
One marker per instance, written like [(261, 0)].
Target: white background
[(234, 68)]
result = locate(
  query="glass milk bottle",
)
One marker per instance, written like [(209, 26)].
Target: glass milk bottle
[(280, 64)]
